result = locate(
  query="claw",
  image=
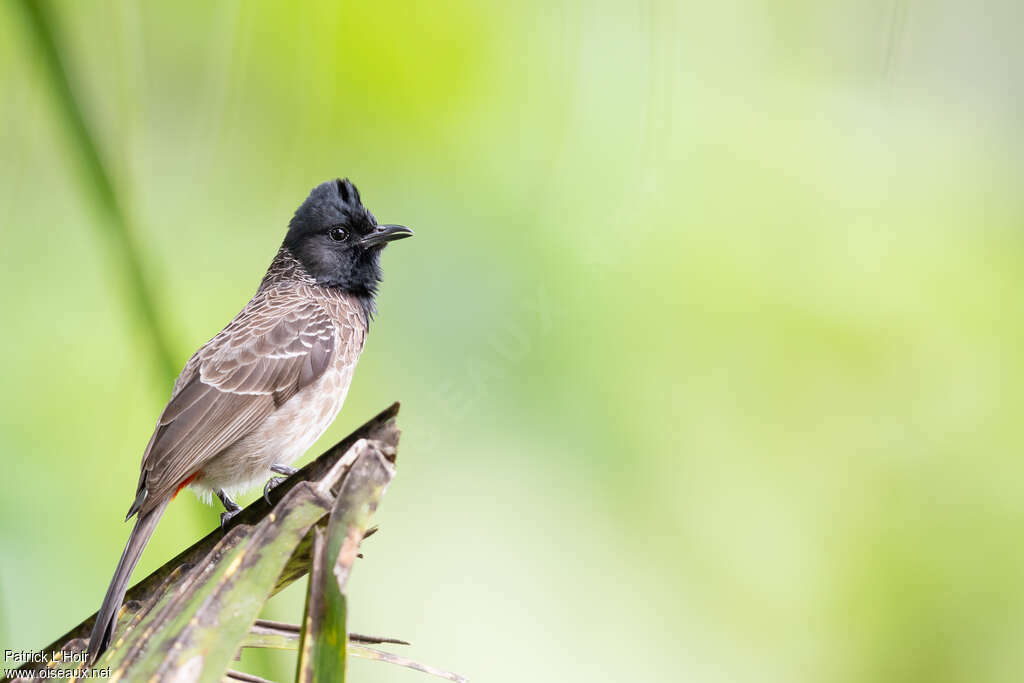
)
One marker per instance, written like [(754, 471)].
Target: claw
[(226, 516), (270, 485), (231, 508), (274, 481)]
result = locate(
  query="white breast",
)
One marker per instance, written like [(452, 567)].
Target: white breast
[(285, 435)]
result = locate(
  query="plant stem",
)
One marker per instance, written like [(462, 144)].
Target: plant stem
[(125, 256)]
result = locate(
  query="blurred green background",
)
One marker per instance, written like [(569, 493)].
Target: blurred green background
[(709, 342)]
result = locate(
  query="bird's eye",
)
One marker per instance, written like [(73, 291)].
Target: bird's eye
[(337, 234)]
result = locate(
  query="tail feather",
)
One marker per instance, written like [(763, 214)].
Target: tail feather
[(106, 618)]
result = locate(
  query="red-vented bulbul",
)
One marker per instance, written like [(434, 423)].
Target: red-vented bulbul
[(257, 395)]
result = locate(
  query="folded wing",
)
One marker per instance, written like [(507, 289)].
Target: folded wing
[(280, 343)]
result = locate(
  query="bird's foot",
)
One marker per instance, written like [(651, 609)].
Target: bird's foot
[(225, 517), (231, 508), (270, 486), (274, 481)]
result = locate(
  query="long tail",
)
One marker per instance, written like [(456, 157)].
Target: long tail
[(106, 619)]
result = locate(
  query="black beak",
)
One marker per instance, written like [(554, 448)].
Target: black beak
[(383, 234)]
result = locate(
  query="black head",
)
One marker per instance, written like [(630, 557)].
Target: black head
[(338, 240)]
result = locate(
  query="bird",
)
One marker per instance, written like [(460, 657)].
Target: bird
[(262, 391)]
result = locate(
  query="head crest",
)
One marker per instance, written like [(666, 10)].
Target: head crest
[(348, 192)]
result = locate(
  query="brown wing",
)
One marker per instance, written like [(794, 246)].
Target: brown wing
[(279, 343)]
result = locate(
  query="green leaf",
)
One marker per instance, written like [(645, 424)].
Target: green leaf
[(206, 598), (279, 636), (384, 656), (199, 629), (324, 637), (313, 619)]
